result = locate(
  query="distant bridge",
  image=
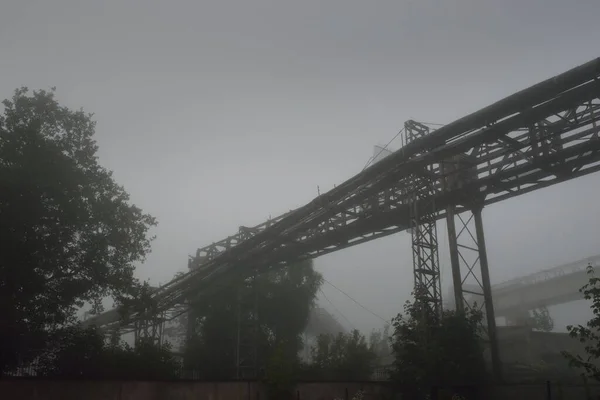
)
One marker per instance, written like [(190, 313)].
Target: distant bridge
[(558, 285)]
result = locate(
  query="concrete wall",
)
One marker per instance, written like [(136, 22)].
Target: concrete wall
[(332, 390), (114, 390), (540, 392), (76, 390), (514, 344), (522, 344)]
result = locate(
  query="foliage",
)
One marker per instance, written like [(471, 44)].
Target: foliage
[(69, 233), (343, 357), (283, 299), (76, 353), (541, 320), (432, 349), (359, 395), (589, 334), (379, 343), (71, 353), (280, 373), (175, 328)]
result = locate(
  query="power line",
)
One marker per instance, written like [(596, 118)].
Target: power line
[(431, 123), (371, 159), (338, 311), (356, 301)]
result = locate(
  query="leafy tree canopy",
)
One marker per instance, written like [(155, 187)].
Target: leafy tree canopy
[(589, 334), (69, 233), (431, 349), (541, 320), (76, 353), (283, 299), (343, 357), (379, 342), (280, 374)]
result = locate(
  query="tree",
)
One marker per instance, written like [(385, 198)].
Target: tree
[(175, 328), (343, 357), (541, 320), (84, 353), (69, 233), (589, 334), (280, 373), (379, 343), (283, 300), (72, 352), (436, 350)]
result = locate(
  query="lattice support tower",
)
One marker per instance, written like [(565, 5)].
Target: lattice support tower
[(150, 328), (247, 330), (468, 254), (423, 227), (247, 325), (192, 317)]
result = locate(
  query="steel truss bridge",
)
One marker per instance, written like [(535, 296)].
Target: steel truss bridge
[(540, 136)]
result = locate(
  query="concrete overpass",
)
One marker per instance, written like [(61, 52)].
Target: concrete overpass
[(514, 298)]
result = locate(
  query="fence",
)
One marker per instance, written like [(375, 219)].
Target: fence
[(378, 374), (39, 389)]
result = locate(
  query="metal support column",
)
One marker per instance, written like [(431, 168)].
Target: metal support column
[(454, 260), (192, 315), (487, 294), (470, 274), (423, 228), (151, 325), (468, 254), (247, 329), (191, 325), (149, 329)]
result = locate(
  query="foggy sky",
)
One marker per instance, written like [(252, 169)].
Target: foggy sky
[(218, 114)]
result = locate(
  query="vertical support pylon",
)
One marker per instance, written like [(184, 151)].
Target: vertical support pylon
[(423, 227), (191, 324), (150, 329), (149, 326), (191, 314), (468, 253), (247, 329), (487, 294), (454, 259)]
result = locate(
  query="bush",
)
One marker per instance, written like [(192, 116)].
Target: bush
[(77, 353)]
